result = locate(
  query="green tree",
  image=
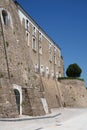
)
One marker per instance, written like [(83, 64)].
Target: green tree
[(73, 70)]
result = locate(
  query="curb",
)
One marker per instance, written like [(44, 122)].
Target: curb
[(29, 118)]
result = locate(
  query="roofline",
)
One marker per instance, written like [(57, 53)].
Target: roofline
[(38, 26)]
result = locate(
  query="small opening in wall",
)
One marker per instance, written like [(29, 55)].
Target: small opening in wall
[(5, 17), (17, 95)]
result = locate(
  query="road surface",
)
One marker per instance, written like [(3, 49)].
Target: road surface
[(69, 119)]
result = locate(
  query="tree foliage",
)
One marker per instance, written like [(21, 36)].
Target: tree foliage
[(73, 70)]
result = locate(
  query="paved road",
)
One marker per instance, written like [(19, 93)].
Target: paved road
[(70, 119)]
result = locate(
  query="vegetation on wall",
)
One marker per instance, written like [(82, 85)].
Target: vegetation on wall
[(1, 75), (7, 44), (72, 78), (0, 32)]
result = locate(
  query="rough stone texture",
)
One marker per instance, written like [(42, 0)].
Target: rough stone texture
[(8, 107), (52, 92), (73, 93), (32, 104), (17, 59), (65, 93), (17, 62)]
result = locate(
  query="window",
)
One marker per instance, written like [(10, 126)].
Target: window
[(59, 63), (27, 37), (40, 36), (60, 74), (40, 48), (36, 68), (50, 52), (27, 25), (6, 18), (34, 31), (59, 53), (42, 70), (52, 74), (34, 44), (54, 55), (54, 50), (54, 59), (56, 75), (47, 72)]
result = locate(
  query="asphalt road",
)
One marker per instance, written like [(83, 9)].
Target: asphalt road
[(69, 119)]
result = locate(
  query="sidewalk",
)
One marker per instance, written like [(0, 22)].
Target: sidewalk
[(25, 118), (59, 119)]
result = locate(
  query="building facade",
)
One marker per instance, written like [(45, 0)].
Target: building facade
[(27, 56), (45, 53)]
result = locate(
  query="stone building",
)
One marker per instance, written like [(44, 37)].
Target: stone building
[(28, 59), (30, 64)]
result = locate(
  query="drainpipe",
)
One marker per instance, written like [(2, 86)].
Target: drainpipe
[(38, 54), (39, 62), (54, 65), (5, 48)]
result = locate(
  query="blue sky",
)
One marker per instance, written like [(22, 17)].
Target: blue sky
[(65, 21)]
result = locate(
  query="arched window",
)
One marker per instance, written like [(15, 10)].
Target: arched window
[(6, 18), (27, 37)]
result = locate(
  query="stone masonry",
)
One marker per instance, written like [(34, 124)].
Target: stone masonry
[(22, 63), (73, 93), (30, 64), (8, 108)]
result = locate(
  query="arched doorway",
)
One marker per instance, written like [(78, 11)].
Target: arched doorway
[(17, 95)]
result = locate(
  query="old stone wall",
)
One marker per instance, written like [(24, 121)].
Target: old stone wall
[(8, 107), (32, 104), (15, 61), (73, 92), (65, 93), (52, 93)]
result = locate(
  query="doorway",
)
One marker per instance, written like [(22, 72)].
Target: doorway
[(17, 95)]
